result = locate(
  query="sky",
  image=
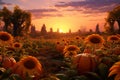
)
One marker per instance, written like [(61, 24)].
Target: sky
[(65, 14)]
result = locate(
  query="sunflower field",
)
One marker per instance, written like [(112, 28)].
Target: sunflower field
[(90, 57)]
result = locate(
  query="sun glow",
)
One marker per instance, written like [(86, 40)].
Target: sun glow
[(61, 31)]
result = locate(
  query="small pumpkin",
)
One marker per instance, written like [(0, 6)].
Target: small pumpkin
[(85, 63), (7, 62)]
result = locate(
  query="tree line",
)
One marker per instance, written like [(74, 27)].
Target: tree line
[(18, 21)]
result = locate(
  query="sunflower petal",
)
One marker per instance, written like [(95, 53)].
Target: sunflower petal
[(114, 67), (112, 72), (117, 63), (117, 77)]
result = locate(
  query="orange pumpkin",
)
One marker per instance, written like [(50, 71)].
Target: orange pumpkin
[(7, 62), (84, 63)]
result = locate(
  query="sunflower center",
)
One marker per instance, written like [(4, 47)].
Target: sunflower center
[(4, 37), (95, 40), (114, 38), (29, 64), (77, 38), (17, 45), (71, 49)]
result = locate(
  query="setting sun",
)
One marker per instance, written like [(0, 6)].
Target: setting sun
[(61, 31)]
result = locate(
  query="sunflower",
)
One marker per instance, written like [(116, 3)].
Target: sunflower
[(63, 40), (94, 39), (115, 69), (77, 37), (5, 37), (28, 65), (57, 42), (71, 50), (70, 54), (17, 45), (113, 38)]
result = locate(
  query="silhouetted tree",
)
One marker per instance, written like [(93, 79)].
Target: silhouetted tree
[(51, 30), (90, 30), (6, 15), (58, 30), (79, 31), (69, 30), (43, 30), (113, 16), (21, 21), (97, 30), (33, 30)]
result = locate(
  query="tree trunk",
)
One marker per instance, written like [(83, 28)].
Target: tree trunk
[(111, 24), (15, 27), (5, 28)]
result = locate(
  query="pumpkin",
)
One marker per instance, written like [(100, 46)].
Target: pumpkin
[(84, 63), (7, 62)]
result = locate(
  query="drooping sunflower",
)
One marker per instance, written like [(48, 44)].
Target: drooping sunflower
[(5, 37), (17, 45), (71, 50), (94, 39), (28, 65), (115, 69), (113, 38)]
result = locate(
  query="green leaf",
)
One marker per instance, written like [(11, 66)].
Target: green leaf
[(71, 72), (6, 74), (82, 77), (15, 77), (92, 76), (62, 76), (103, 70)]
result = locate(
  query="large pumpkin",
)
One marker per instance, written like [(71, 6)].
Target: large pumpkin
[(85, 63), (7, 62)]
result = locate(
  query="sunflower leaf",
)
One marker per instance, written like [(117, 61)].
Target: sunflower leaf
[(6, 74), (92, 76), (103, 70), (82, 77), (15, 77)]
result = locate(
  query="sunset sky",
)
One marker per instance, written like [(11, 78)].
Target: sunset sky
[(65, 14)]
